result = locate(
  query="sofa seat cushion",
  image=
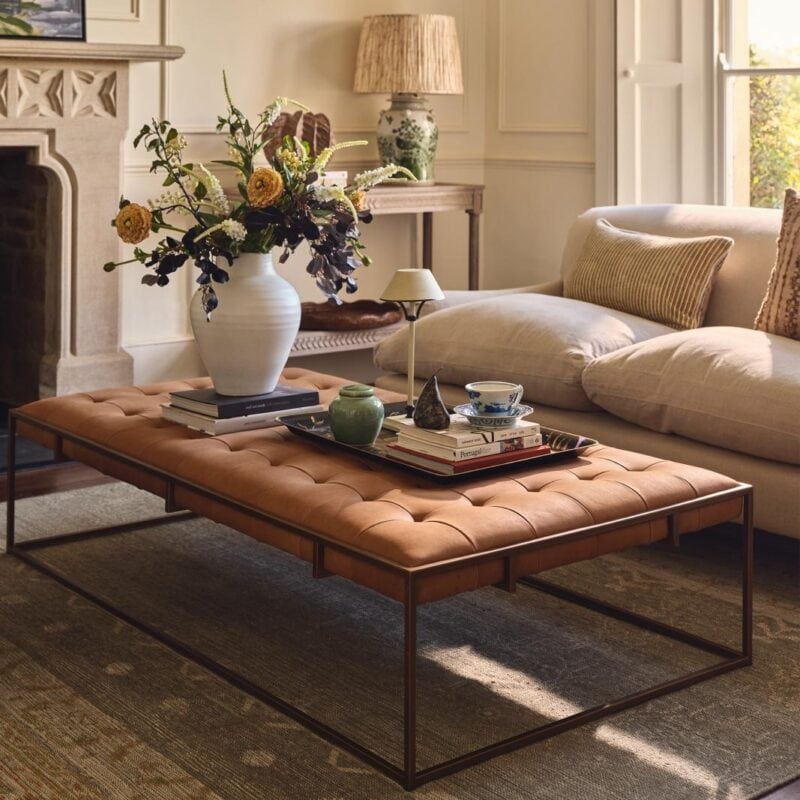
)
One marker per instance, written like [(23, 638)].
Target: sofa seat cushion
[(540, 341), (725, 386)]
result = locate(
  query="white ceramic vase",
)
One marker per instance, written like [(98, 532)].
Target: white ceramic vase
[(246, 343)]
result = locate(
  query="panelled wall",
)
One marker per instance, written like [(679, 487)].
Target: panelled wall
[(544, 61), (527, 126)]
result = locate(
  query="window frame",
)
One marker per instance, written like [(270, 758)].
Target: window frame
[(726, 78)]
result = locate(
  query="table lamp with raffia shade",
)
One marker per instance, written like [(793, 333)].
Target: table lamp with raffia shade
[(411, 289), (409, 55)]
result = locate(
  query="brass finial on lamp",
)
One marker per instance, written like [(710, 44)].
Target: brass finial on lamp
[(408, 55), (412, 288)]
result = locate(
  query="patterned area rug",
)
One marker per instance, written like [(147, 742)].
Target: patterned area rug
[(91, 708)]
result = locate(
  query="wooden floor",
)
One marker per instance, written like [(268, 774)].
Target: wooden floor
[(52, 478)]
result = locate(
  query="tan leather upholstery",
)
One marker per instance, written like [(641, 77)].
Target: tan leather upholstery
[(387, 513)]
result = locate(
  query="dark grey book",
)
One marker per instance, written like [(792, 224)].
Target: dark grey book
[(208, 402)]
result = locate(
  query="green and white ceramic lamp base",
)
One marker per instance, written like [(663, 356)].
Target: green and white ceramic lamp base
[(408, 135)]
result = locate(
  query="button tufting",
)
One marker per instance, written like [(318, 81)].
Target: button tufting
[(396, 516)]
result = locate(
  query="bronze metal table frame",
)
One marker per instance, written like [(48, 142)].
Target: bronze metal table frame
[(408, 775)]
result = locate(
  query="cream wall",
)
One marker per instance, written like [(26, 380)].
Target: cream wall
[(525, 127)]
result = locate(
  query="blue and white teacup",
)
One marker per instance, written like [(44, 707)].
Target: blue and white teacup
[(494, 397)]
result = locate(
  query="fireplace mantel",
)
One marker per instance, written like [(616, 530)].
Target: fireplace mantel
[(86, 51), (66, 103)]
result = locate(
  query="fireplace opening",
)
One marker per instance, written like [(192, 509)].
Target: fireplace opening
[(29, 223)]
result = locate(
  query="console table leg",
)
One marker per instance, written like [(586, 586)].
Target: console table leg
[(474, 249), (427, 239), (410, 698), (11, 481)]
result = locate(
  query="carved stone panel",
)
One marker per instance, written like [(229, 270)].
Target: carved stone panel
[(40, 93), (94, 93)]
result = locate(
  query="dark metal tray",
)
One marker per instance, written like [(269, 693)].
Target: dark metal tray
[(316, 427)]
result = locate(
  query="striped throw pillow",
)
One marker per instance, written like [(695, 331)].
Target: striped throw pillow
[(780, 309), (661, 278)]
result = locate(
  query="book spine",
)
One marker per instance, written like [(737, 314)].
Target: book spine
[(216, 427), (463, 453), (446, 439), (504, 434), (243, 409), (460, 440), (456, 467), (502, 458)]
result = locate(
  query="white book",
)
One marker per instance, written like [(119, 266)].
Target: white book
[(460, 433), (216, 426), (466, 453)]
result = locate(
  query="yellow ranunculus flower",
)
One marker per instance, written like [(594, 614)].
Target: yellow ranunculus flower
[(359, 201), (264, 187), (133, 223)]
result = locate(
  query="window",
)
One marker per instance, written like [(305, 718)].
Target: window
[(760, 101)]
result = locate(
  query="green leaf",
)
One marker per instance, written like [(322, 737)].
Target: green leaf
[(173, 134), (242, 187), (224, 163), (200, 192), (168, 181)]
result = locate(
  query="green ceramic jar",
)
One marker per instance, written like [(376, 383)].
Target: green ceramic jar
[(356, 415)]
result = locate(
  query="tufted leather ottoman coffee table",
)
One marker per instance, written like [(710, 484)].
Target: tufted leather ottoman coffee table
[(392, 531)]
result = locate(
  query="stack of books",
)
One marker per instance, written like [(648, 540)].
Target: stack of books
[(205, 410), (462, 447)]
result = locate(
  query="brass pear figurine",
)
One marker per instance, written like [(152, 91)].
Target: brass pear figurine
[(430, 411)]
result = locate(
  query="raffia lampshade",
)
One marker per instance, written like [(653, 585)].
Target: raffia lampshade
[(409, 53), (412, 286)]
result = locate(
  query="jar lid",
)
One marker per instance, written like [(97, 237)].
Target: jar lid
[(356, 390)]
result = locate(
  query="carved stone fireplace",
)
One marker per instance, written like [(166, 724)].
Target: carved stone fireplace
[(63, 117)]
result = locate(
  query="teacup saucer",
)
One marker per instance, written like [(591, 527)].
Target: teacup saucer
[(492, 420)]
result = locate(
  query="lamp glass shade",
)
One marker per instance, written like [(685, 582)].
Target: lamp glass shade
[(412, 285), (409, 53)]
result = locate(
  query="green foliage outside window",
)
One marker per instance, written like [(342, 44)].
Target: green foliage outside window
[(774, 135)]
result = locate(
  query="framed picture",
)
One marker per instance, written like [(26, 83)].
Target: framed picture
[(43, 19)]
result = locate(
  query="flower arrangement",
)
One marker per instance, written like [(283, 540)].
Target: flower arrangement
[(284, 202)]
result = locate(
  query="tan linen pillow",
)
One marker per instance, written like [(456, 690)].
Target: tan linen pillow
[(540, 341), (661, 278), (731, 387), (780, 309)]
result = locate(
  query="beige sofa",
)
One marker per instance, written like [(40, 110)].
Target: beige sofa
[(723, 397)]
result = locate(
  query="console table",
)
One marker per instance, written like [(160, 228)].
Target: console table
[(427, 199)]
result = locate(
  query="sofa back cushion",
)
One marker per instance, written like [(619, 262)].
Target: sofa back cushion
[(780, 310), (741, 282), (540, 341), (732, 387), (663, 278)]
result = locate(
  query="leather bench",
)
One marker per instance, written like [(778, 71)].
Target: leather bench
[(383, 527)]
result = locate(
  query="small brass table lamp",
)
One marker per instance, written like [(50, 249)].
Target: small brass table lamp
[(412, 288)]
